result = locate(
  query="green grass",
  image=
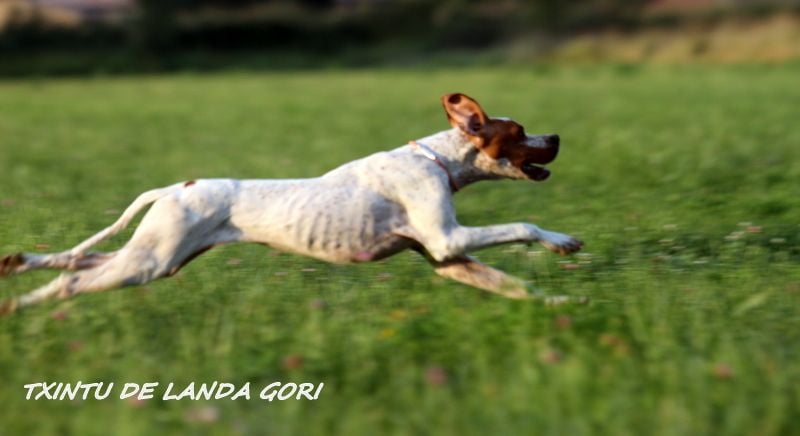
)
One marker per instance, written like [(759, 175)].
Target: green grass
[(695, 321)]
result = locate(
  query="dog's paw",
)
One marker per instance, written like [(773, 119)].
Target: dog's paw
[(561, 244), (559, 300), (534, 293), (10, 264)]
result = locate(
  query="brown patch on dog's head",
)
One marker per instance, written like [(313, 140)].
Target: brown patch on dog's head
[(501, 138), (189, 183)]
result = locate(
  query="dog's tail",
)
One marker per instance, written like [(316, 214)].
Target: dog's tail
[(130, 213)]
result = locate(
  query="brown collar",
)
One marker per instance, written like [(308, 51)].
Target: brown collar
[(427, 152)]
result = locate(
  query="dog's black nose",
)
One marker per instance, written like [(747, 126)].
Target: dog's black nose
[(553, 140)]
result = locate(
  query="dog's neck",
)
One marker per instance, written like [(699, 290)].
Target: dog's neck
[(464, 161)]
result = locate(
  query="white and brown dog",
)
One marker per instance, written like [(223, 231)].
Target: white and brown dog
[(365, 210)]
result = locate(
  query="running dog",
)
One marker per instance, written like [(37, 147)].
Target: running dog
[(363, 211)]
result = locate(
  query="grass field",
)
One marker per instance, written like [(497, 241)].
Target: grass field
[(683, 181)]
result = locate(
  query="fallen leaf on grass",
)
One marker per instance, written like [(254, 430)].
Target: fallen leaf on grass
[(563, 322), (202, 414), (551, 356), (722, 371), (292, 361), (435, 375)]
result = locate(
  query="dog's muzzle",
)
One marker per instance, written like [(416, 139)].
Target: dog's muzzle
[(541, 154)]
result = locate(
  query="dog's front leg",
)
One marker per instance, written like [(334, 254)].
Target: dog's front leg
[(470, 271), (432, 222), (449, 243)]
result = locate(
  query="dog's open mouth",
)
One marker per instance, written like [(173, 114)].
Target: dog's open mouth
[(535, 172)]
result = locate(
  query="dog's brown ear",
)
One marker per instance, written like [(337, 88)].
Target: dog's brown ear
[(465, 113)]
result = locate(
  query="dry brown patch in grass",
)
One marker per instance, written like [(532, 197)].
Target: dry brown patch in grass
[(772, 39)]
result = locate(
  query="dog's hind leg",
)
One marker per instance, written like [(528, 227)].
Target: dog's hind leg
[(127, 216), (76, 258), (129, 267), (134, 264), (158, 249), (173, 233), (107, 275), (21, 262)]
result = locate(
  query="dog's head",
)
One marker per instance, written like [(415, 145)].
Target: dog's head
[(512, 152)]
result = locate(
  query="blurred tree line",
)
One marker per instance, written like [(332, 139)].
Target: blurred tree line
[(326, 24), (157, 30), (165, 25)]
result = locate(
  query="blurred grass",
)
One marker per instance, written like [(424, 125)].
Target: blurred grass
[(682, 181)]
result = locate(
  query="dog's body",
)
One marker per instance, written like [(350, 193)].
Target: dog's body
[(365, 210)]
